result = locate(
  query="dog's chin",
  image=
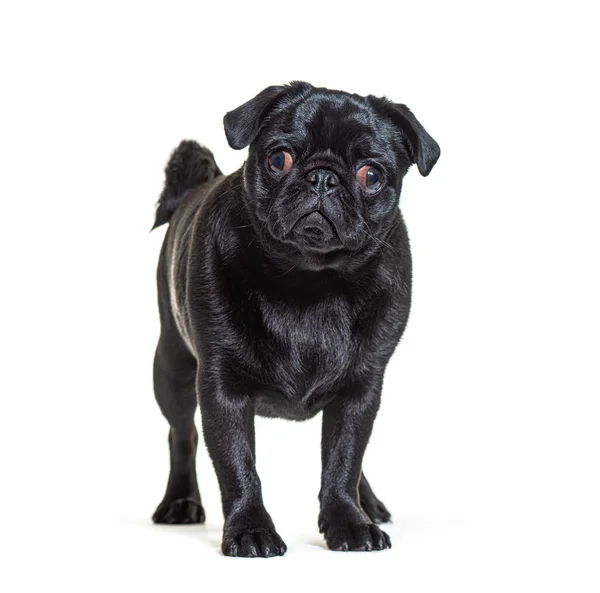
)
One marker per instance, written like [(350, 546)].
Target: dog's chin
[(315, 260), (310, 254)]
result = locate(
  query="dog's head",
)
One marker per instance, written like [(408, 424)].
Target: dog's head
[(325, 168)]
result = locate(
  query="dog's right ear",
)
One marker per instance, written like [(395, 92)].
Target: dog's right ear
[(243, 124)]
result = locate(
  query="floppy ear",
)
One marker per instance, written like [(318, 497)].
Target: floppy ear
[(424, 149), (243, 124)]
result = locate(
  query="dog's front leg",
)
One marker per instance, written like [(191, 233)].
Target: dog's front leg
[(228, 425), (347, 424)]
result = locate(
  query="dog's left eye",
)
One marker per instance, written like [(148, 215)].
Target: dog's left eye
[(370, 178), (280, 162)]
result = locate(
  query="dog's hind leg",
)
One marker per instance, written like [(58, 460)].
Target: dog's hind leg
[(174, 388), (370, 503)]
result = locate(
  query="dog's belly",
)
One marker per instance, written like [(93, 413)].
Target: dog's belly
[(301, 354), (275, 404), (299, 386)]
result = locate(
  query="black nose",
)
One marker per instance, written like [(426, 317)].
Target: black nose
[(322, 180)]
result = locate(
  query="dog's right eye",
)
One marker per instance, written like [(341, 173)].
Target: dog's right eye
[(280, 162)]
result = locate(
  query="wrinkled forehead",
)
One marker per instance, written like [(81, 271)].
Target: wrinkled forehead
[(340, 124)]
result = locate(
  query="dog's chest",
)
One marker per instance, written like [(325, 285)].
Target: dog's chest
[(303, 352)]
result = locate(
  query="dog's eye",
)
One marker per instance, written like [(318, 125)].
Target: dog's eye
[(370, 178), (280, 162)]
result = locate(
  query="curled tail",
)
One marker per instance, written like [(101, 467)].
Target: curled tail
[(190, 165)]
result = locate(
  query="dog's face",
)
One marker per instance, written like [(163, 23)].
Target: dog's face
[(325, 168)]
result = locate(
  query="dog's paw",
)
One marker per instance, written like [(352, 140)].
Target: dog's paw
[(260, 543), (360, 537), (179, 512), (376, 510)]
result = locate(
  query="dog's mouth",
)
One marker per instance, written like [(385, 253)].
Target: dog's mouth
[(316, 229)]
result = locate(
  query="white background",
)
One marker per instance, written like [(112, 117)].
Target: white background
[(486, 446)]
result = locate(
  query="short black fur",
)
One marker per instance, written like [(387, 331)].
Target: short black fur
[(284, 294), (190, 166)]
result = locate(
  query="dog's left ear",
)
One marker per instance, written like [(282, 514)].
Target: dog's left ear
[(243, 124), (425, 151)]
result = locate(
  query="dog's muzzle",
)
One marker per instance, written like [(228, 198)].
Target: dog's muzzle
[(316, 228)]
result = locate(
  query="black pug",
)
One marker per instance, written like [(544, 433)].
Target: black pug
[(283, 290)]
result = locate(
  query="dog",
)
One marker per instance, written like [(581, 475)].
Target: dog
[(283, 290)]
